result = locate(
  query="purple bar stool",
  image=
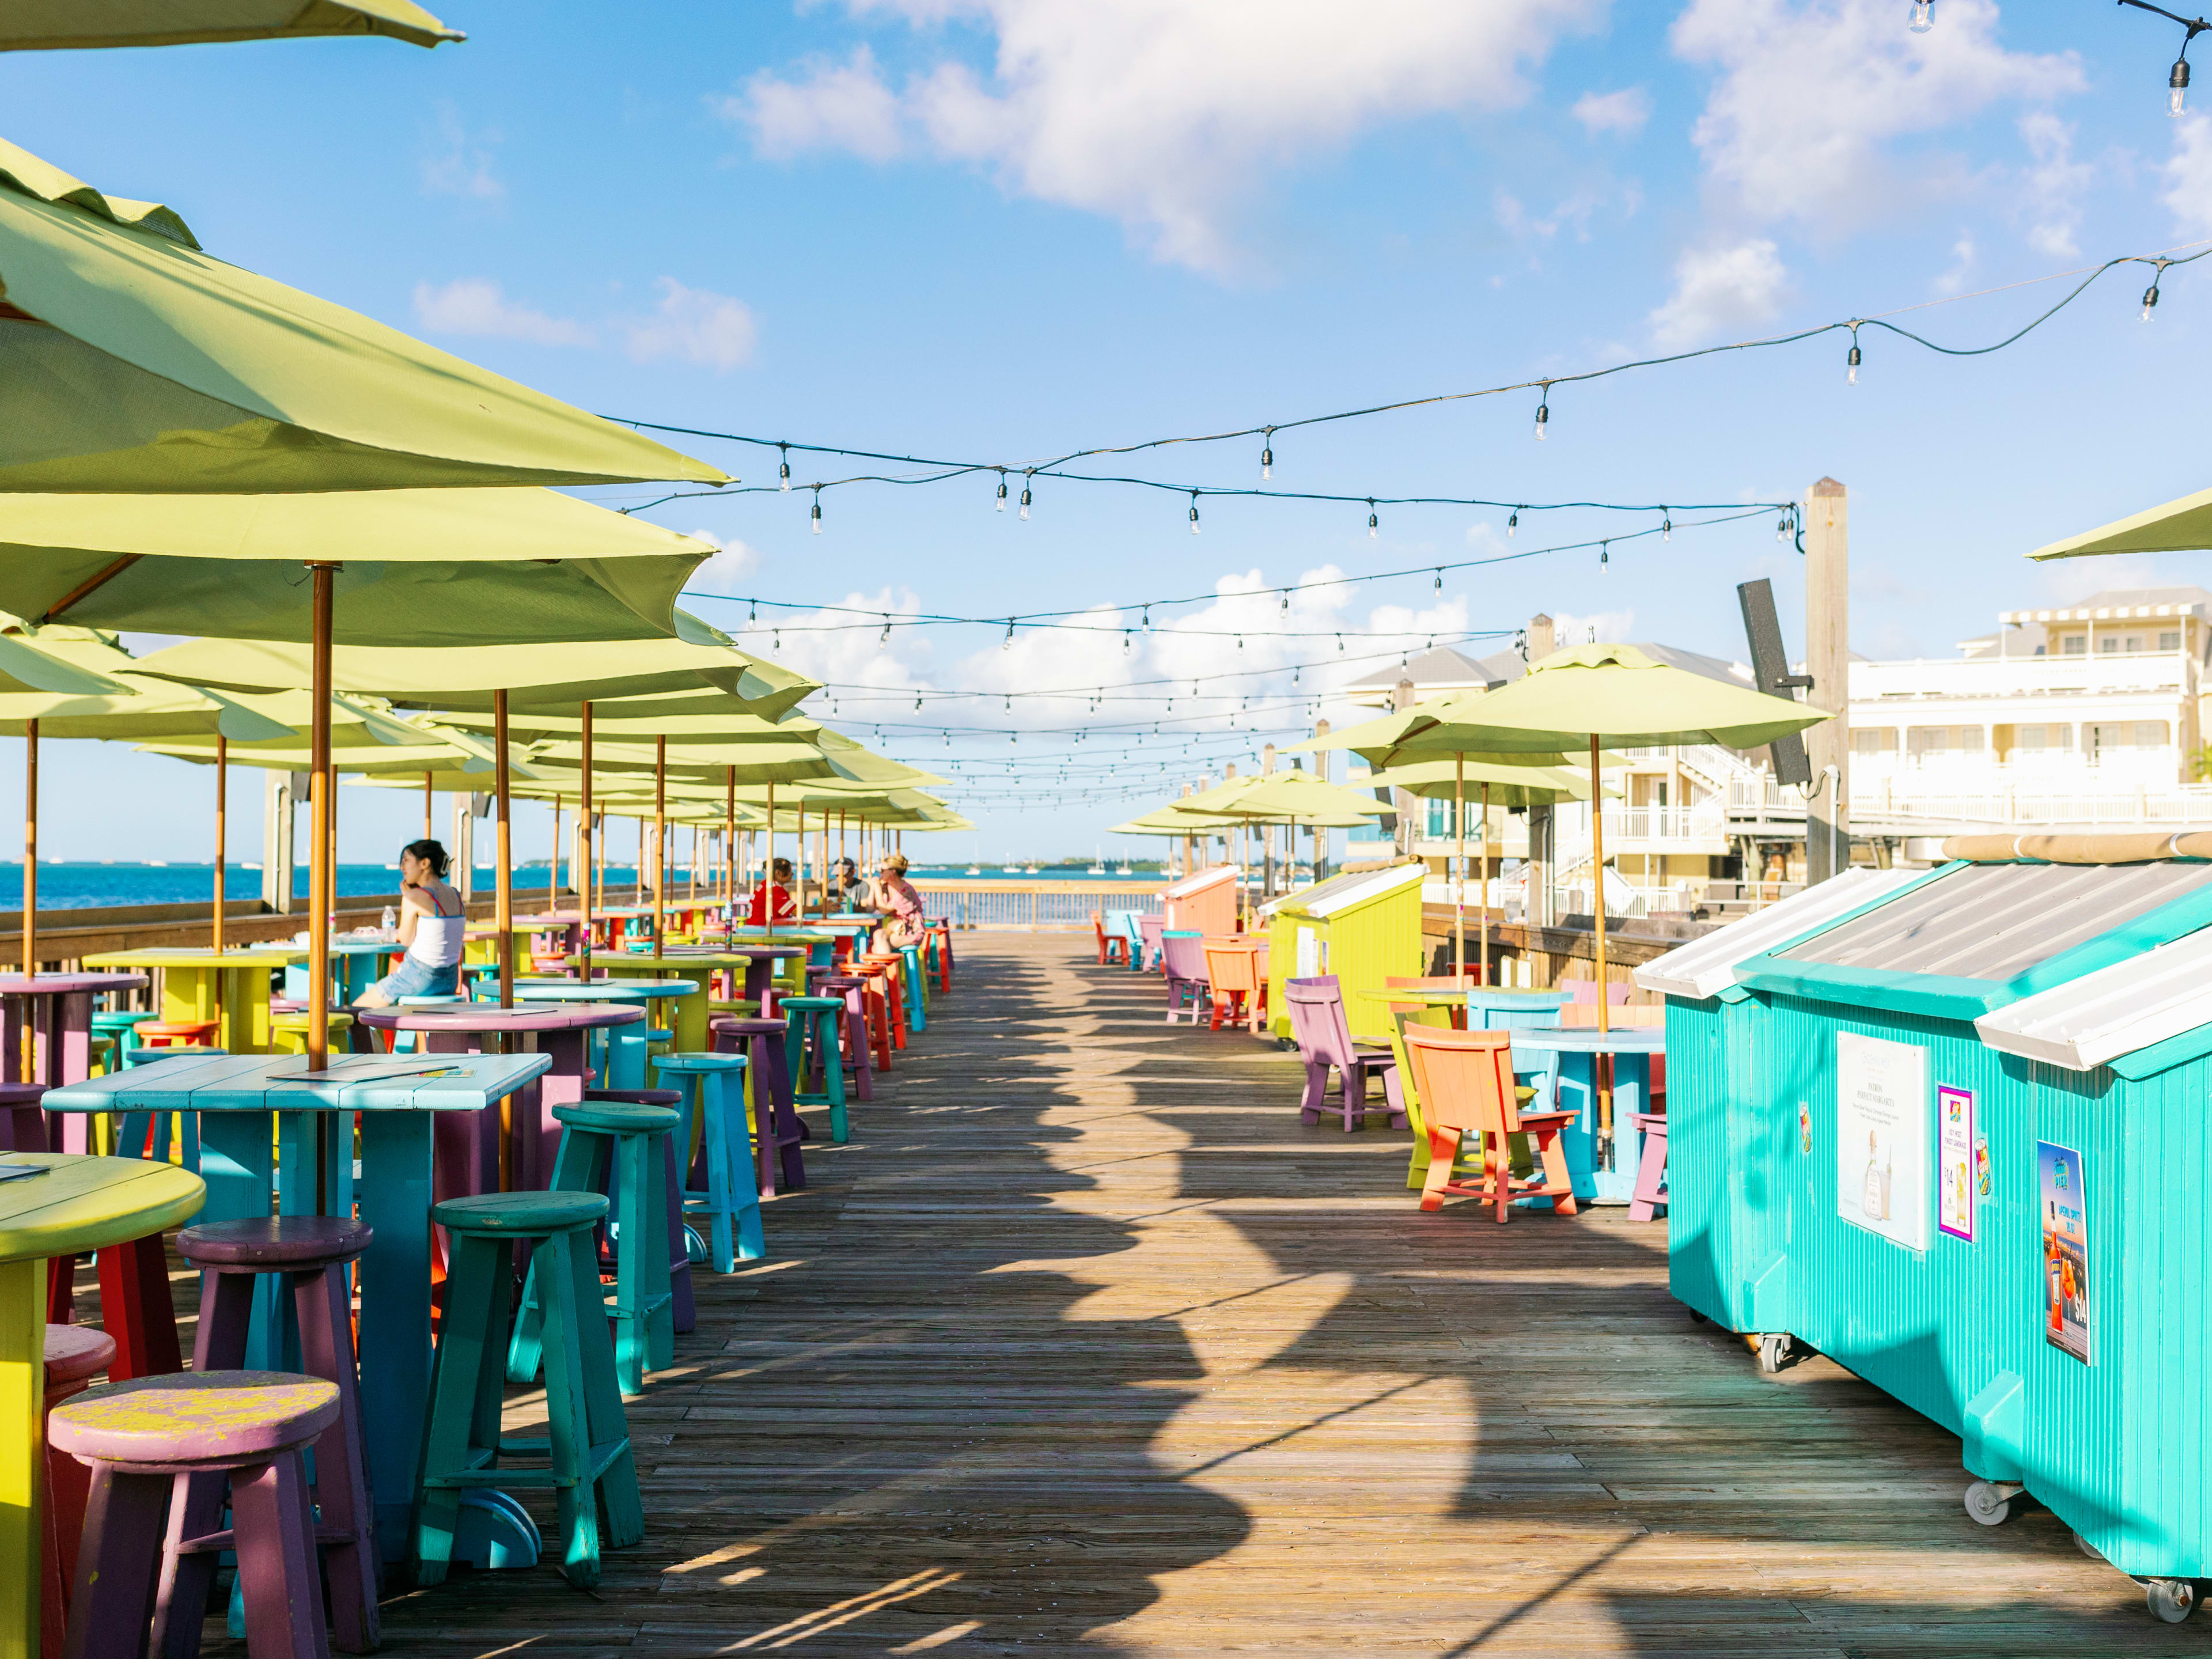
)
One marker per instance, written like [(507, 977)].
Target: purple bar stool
[(310, 1251), (151, 1434), (831, 983), (777, 1131)]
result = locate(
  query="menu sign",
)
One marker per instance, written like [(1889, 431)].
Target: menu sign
[(1881, 1137)]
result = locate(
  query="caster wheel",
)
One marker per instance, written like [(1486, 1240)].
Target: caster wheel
[(2172, 1599), (1773, 1351), (2087, 1548), (1987, 1505), (1696, 1318)]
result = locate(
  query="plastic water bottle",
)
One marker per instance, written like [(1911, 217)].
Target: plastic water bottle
[(391, 921)]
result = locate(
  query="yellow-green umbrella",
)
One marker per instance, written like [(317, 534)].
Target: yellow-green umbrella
[(69, 25), (130, 361), (2180, 526)]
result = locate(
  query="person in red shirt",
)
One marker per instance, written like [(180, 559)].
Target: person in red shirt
[(780, 895)]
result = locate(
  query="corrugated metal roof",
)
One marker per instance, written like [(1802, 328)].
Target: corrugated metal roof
[(1706, 967), (2132, 1005), (1200, 882), (1326, 898), (1996, 920)]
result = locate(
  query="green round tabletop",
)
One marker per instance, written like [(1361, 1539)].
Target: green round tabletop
[(82, 1203)]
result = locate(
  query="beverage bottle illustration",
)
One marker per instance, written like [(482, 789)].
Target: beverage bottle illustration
[(1874, 1201)]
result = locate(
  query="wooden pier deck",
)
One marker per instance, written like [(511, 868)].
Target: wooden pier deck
[(1085, 1345)]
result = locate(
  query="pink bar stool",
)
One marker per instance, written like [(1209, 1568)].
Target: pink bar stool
[(74, 1357), (854, 990), (1651, 1169), (144, 1438)]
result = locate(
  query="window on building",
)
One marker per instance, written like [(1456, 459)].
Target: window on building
[(2073, 645), (1872, 740), (2110, 643), (2150, 734), (2134, 643), (2031, 739), (2170, 640)]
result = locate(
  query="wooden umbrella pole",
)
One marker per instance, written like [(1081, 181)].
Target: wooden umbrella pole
[(729, 850), (427, 824), (1482, 893), (503, 903), (1459, 869), (768, 861), (30, 853), (591, 846), (553, 871), (318, 823), (1597, 882), (660, 835), (221, 839)]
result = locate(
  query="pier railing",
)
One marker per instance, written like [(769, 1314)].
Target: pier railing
[(1031, 906)]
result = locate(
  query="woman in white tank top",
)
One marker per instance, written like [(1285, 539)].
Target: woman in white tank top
[(432, 923)]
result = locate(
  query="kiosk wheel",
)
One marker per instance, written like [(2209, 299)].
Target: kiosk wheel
[(1773, 1349), (2170, 1600), (1989, 1502)]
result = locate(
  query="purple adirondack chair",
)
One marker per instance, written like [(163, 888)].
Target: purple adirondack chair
[(1149, 928), (1183, 956), (1324, 1039)]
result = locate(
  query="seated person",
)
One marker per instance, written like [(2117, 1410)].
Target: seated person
[(847, 890), (432, 922), (893, 897), (787, 908)]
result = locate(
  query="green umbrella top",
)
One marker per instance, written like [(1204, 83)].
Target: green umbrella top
[(1373, 740), (488, 568), (2182, 526), (59, 25), (1614, 693), (1295, 797), (1511, 787), (131, 361)]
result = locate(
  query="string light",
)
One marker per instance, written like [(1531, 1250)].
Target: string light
[(1194, 513), (1544, 410), (783, 469), (1512, 523), (2150, 293), (884, 638), (1007, 644), (1440, 578), (1286, 602), (1666, 530), (1923, 16), (817, 509), (1604, 557), (1851, 360), (1267, 452), (1782, 526), (999, 504), (1026, 477), (1373, 522)]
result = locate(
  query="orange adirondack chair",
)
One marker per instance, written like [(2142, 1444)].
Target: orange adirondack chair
[(1238, 979), (1465, 1080)]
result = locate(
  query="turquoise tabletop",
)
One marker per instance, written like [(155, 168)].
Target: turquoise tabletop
[(272, 1082)]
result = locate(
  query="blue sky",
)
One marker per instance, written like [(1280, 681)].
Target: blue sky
[(999, 230)]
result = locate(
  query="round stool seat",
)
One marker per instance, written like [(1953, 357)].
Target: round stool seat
[(303, 1020), (178, 1030), (275, 1242), (704, 1062), (741, 1025), (74, 1353), (121, 1019), (514, 1215), (142, 1055), (616, 1117), (21, 1094), (637, 1097), (207, 1419), (430, 1000)]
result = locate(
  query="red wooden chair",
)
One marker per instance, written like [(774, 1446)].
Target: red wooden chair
[(1112, 947), (1324, 1039), (1465, 1080)]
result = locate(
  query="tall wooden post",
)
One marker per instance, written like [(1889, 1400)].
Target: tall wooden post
[(1827, 659), (1401, 698), (320, 874), (30, 852), (503, 876), (1321, 835)]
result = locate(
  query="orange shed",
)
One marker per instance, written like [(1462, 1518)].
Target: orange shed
[(1205, 903)]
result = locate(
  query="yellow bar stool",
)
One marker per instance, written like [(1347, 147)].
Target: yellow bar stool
[(288, 1033)]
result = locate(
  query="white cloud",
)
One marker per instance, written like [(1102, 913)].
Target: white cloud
[(1811, 97), (1626, 111), (733, 562), (1721, 290), (1963, 257), (2055, 183), (697, 325), (2188, 175), (839, 648), (460, 164), (1576, 211), (1164, 115), (837, 107), (478, 305)]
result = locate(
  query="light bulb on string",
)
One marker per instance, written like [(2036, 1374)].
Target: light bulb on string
[(1440, 578), (1851, 360), (884, 638), (1604, 556), (776, 639), (1374, 524), (1666, 527), (2178, 82), (1543, 410), (1286, 602), (1007, 644), (1782, 526), (999, 504), (1512, 522), (752, 612), (1267, 452), (1923, 16), (817, 509), (1026, 477), (1148, 619), (783, 468), (1194, 513)]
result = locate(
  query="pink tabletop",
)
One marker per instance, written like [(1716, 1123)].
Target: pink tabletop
[(526, 1016), (49, 985)]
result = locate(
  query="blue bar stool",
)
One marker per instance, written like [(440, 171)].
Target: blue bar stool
[(817, 1024), (714, 1108)]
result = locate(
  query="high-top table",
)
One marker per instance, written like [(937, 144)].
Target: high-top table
[(626, 1046), (556, 1032), (690, 1022), (80, 1203), (261, 1125), (194, 981), (54, 1011), (1603, 1165)]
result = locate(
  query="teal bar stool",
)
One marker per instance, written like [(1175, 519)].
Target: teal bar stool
[(611, 1146), (817, 1024), (587, 1446), (713, 1087), (122, 1026), (917, 992)]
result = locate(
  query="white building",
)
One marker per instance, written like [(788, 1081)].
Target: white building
[(2088, 713)]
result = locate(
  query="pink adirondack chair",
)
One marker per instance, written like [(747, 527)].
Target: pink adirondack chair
[(1183, 956), (1324, 1039), (1150, 926)]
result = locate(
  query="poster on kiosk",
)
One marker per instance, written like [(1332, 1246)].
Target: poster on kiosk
[(1881, 1137)]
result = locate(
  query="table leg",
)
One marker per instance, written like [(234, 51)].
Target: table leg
[(22, 1453), (395, 1312), (690, 1024), (237, 1161), (12, 1033), (1578, 1074), (73, 1036)]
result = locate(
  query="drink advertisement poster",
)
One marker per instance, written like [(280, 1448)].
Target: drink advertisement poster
[(2064, 1190), (1881, 1137), (1954, 1161)]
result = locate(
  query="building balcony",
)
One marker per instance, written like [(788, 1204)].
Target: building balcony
[(2106, 675)]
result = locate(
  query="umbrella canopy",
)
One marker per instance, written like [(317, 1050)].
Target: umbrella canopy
[(60, 25), (700, 658), (1614, 693), (1293, 797), (2182, 526), (1511, 787), (130, 361), (436, 567)]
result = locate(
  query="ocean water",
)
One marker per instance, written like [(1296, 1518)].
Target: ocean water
[(83, 886)]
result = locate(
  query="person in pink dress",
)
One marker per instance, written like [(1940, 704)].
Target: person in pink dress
[(892, 897)]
